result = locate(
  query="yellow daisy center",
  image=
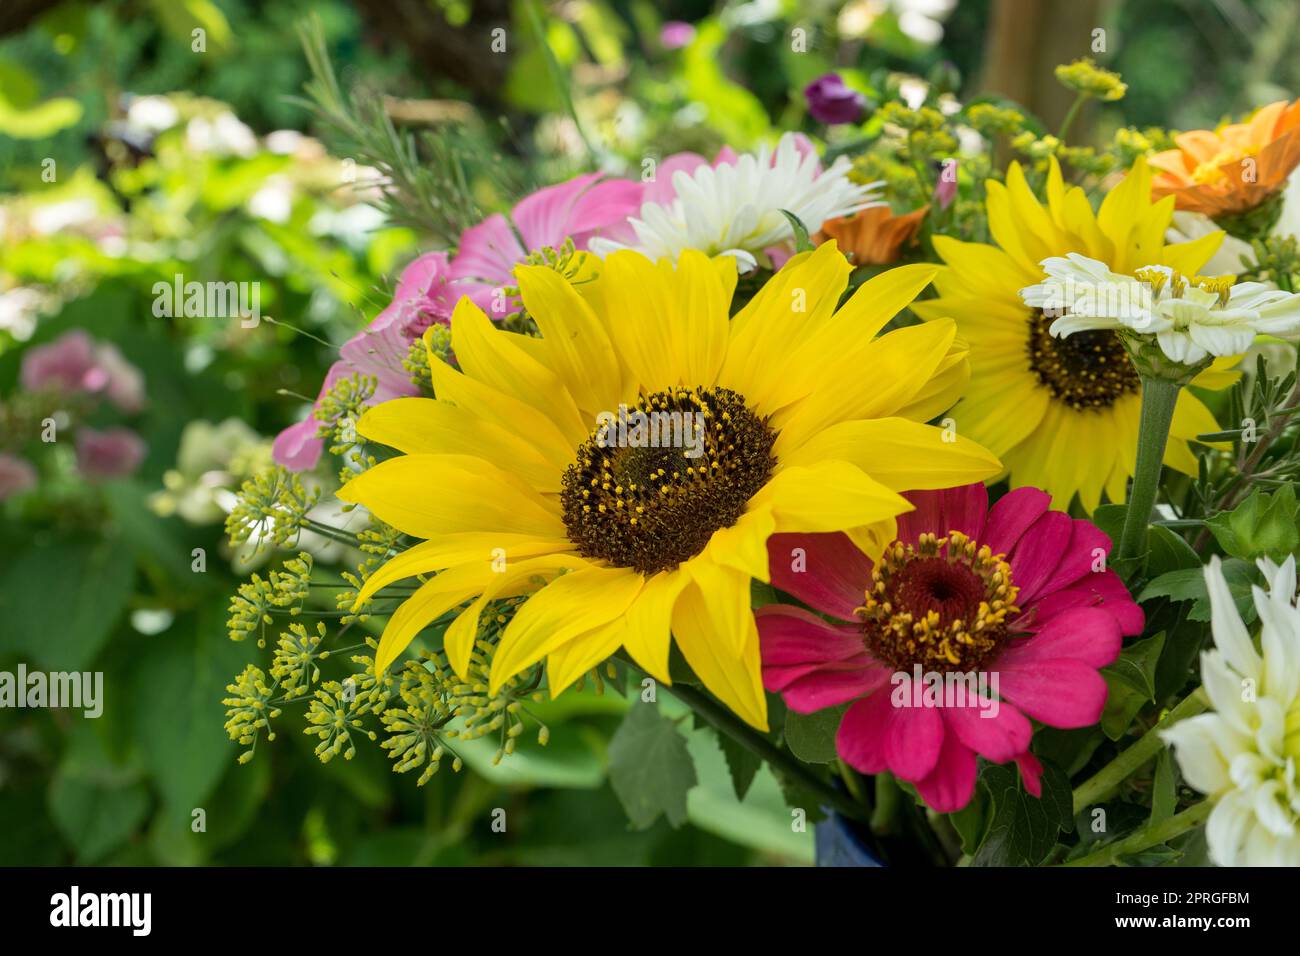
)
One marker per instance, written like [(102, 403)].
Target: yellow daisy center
[(653, 482), (1084, 370), (942, 603), (1209, 172)]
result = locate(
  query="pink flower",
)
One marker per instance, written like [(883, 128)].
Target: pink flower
[(16, 476), (945, 190), (75, 363), (1008, 592), (676, 34), (424, 297), (113, 453), (578, 209)]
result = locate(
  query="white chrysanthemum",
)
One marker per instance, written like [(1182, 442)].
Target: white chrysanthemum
[(1190, 318), (1243, 755), (735, 208)]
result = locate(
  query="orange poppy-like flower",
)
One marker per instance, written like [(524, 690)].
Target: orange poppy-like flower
[(1234, 169), (874, 235)]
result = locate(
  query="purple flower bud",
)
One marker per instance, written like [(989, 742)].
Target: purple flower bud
[(831, 102), (113, 453), (676, 34), (16, 476)]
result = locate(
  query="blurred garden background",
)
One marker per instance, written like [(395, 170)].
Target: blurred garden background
[(145, 139)]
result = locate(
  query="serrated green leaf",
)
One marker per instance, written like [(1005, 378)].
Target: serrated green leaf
[(1023, 828), (650, 768), (1130, 683), (1188, 584), (1264, 525), (742, 764)]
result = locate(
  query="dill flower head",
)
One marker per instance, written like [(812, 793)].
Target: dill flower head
[(1085, 76), (249, 711), (515, 485)]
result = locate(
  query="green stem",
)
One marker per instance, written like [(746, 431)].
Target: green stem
[(1103, 783), (728, 723), (559, 77), (1149, 836), (1070, 116), (1159, 397)]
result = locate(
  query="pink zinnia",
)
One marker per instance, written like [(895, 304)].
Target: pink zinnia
[(1009, 591), (578, 209)]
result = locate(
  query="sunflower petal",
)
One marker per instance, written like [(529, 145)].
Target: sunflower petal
[(699, 626), (570, 605)]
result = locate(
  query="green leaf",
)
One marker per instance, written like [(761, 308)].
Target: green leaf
[(761, 820), (176, 709), (1023, 828), (811, 737), (570, 759), (60, 602), (650, 768), (1164, 791), (1264, 525), (1188, 584), (181, 17), (742, 764), (1168, 552), (971, 821), (1131, 684), (1110, 519), (95, 805), (22, 116), (801, 241)]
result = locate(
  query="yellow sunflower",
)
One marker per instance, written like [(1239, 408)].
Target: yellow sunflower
[(807, 421), (1062, 413)]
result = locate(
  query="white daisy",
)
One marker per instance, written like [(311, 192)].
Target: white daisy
[(734, 209), (1191, 318), (1243, 755)]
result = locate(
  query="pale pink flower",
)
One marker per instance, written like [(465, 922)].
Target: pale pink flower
[(16, 476), (75, 363), (579, 209), (113, 453)]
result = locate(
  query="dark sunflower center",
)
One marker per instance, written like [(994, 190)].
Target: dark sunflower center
[(942, 603), (655, 481), (1083, 370)]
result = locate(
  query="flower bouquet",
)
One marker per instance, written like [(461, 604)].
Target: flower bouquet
[(944, 471)]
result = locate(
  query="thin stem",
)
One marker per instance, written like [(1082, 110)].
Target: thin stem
[(559, 77), (1070, 116), (1103, 783), (1159, 397), (728, 723), (1147, 837)]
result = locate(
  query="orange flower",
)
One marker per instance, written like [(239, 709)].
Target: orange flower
[(873, 236), (1234, 169)]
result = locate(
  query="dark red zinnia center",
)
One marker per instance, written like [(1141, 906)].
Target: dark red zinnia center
[(942, 603)]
